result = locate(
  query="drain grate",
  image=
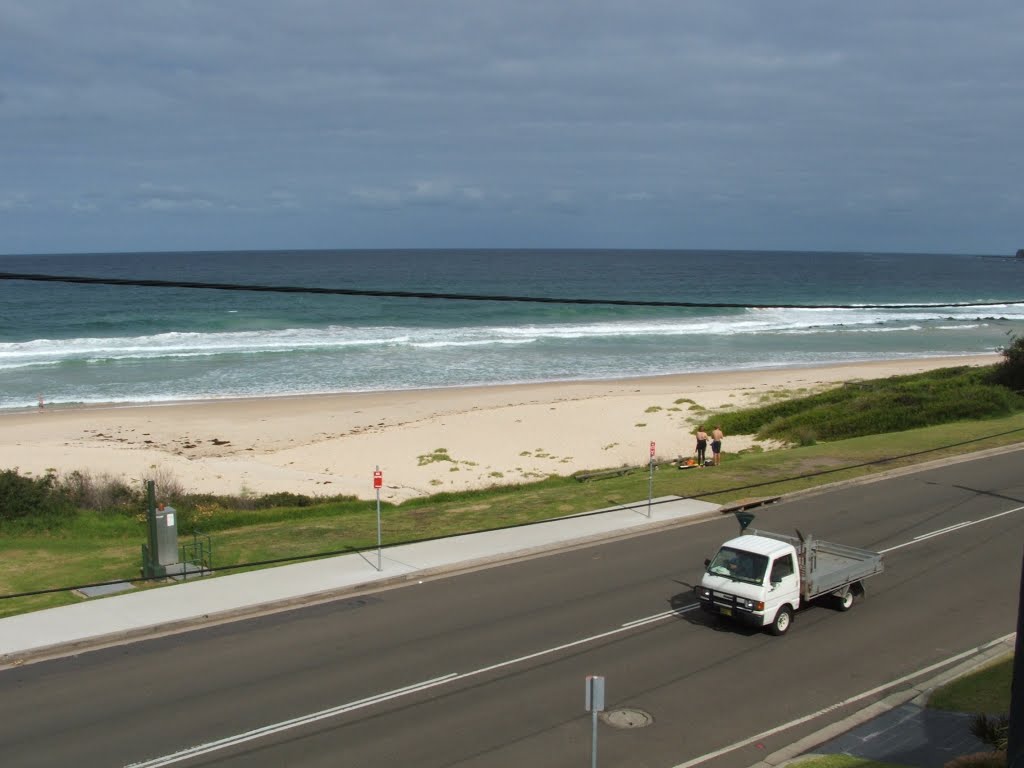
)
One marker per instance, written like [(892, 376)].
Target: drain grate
[(627, 718)]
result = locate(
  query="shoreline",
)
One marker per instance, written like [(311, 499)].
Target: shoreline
[(424, 440), (944, 361)]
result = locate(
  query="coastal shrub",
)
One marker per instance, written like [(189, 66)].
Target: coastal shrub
[(806, 436), (994, 731), (169, 488), (38, 500), (1010, 372), (885, 405), (102, 493), (286, 499)]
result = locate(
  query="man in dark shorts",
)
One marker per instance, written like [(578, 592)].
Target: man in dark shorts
[(716, 445)]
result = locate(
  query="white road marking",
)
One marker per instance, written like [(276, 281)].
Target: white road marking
[(873, 691), (845, 702), (268, 730), (949, 529), (658, 616)]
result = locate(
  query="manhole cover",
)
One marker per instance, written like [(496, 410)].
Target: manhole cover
[(627, 718)]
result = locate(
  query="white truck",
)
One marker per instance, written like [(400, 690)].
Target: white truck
[(761, 578)]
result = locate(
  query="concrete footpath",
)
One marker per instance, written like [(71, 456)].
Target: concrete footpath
[(100, 621)]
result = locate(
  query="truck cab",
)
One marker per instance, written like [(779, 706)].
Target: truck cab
[(753, 580)]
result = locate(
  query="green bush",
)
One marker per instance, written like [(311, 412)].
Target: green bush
[(1010, 372), (35, 499), (806, 436)]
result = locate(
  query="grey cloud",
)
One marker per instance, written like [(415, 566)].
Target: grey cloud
[(736, 109)]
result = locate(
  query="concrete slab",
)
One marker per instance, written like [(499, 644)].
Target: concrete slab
[(105, 589)]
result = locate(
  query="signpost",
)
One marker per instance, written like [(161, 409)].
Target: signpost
[(594, 703), (650, 483), (378, 482)]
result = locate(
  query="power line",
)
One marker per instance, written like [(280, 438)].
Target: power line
[(474, 297)]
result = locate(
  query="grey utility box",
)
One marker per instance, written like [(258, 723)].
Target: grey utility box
[(160, 552), (165, 530)]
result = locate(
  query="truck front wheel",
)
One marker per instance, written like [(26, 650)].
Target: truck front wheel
[(782, 621)]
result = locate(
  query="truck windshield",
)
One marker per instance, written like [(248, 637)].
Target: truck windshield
[(739, 565)]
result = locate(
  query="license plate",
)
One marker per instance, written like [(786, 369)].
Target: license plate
[(726, 611)]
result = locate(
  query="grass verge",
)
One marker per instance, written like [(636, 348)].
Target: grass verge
[(986, 690), (840, 761)]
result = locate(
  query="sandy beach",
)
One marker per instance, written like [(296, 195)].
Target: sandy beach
[(424, 441)]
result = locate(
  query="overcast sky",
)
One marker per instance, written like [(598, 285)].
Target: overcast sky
[(877, 125)]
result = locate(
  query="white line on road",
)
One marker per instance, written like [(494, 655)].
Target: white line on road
[(949, 529), (845, 702), (658, 616), (269, 730), (873, 691)]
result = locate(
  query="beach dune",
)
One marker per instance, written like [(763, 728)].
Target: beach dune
[(424, 441)]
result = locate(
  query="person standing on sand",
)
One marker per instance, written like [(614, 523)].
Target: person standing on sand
[(716, 445), (702, 445)]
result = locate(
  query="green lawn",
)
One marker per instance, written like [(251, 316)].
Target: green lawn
[(840, 761), (985, 691)]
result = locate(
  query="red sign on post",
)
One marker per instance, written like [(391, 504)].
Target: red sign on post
[(652, 447), (378, 478)]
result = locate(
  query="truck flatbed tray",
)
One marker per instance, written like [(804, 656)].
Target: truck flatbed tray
[(826, 566)]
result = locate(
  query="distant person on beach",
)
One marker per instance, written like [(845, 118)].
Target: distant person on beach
[(702, 445), (716, 445)]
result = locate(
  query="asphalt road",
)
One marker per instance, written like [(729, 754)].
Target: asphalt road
[(488, 668)]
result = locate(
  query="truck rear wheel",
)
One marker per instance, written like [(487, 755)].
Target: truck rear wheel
[(782, 621), (844, 602)]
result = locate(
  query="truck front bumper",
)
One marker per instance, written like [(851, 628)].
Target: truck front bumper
[(730, 606)]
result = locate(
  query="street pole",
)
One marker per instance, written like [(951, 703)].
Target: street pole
[(650, 482), (650, 488), (594, 703), (377, 484)]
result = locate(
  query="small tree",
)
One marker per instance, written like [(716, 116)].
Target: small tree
[(1010, 372)]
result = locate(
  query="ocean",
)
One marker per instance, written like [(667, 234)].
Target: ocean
[(74, 344)]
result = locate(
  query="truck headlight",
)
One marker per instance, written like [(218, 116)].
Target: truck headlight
[(752, 605), (704, 593)]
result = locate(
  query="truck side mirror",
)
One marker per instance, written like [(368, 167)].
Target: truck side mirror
[(706, 562)]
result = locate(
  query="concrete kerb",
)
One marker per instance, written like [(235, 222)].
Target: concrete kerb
[(369, 586), (917, 693)]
